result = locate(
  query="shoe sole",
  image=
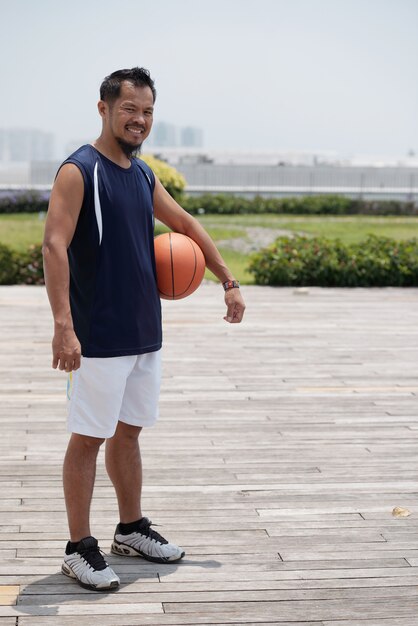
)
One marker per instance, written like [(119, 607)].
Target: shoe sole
[(67, 571), (122, 549)]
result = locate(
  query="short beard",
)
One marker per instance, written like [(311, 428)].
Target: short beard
[(128, 149)]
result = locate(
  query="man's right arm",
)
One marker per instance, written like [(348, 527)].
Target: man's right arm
[(63, 212)]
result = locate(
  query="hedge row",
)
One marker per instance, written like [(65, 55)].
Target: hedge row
[(170, 178), (22, 268), (26, 202), (297, 261), (302, 261), (307, 205), (228, 204)]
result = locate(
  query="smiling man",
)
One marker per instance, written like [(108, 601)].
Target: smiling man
[(100, 276)]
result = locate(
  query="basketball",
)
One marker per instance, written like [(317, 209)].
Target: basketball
[(180, 265)]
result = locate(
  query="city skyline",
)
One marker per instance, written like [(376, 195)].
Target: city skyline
[(20, 144), (306, 75), (26, 146)]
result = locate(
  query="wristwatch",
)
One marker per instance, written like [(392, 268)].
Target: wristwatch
[(230, 284)]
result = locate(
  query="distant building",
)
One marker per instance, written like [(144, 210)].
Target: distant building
[(25, 144), (163, 135), (191, 137)]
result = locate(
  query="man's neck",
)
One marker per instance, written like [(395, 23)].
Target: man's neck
[(112, 152)]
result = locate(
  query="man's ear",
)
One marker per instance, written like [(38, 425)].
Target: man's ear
[(103, 108)]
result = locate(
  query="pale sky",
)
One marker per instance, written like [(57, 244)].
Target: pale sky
[(315, 75)]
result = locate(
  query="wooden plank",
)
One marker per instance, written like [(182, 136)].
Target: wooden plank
[(163, 620), (37, 586), (390, 621), (317, 571), (254, 595), (300, 610), (8, 594), (246, 468), (82, 609)]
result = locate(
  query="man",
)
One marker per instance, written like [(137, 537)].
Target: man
[(100, 277)]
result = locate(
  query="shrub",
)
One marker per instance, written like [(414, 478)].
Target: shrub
[(170, 178), (307, 205), (311, 205), (31, 266), (374, 262), (383, 207), (22, 268), (24, 202), (9, 266), (341, 205), (229, 204)]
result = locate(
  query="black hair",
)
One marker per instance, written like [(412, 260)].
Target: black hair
[(138, 76)]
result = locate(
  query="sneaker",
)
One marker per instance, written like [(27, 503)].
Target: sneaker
[(147, 543), (88, 566)]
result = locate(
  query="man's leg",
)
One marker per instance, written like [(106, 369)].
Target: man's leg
[(78, 474), (95, 399), (83, 560), (134, 535), (123, 464)]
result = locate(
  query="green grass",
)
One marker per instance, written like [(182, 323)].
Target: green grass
[(348, 228), (217, 233), (20, 230), (237, 263)]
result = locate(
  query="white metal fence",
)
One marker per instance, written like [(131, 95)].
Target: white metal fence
[(399, 183)]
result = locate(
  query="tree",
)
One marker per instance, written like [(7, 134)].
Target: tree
[(170, 178)]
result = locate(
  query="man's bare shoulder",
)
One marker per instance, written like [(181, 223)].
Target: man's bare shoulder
[(67, 192), (69, 174)]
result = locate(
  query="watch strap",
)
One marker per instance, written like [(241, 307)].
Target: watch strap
[(230, 284)]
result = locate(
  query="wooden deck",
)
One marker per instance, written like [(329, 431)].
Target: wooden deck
[(282, 448)]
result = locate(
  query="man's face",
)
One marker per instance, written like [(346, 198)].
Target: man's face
[(130, 116)]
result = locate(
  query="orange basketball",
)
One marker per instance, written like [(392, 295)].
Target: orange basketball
[(180, 265)]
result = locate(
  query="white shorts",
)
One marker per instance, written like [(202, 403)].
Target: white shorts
[(104, 391)]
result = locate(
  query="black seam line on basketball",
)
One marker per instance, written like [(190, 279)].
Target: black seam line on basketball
[(195, 267), (172, 267)]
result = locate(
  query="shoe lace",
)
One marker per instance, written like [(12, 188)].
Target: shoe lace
[(150, 532), (94, 557)]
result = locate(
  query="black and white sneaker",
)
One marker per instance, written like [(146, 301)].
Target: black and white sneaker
[(88, 566), (146, 542)]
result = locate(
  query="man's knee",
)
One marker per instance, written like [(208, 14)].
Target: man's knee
[(85, 442), (127, 432)]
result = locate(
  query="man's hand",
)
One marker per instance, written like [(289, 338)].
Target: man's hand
[(235, 306), (66, 350)]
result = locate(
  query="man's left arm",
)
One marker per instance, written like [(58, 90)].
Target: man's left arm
[(168, 211)]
